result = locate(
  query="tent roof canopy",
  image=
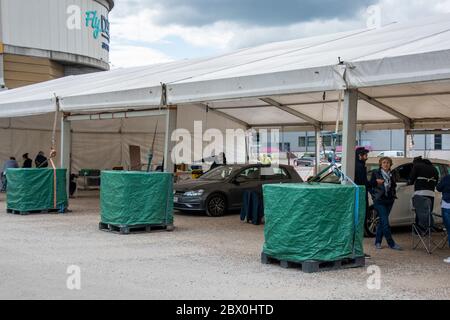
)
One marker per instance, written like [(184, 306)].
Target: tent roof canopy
[(401, 70)]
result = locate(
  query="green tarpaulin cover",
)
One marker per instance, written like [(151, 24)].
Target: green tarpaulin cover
[(32, 189), (136, 198), (313, 222)]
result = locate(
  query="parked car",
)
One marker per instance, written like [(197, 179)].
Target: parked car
[(392, 154), (401, 214), (307, 160), (222, 189)]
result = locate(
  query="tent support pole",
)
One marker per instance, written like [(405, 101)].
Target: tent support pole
[(405, 144), (349, 132), (317, 151), (66, 146), (171, 126)]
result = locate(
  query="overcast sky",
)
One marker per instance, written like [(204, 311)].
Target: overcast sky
[(154, 31)]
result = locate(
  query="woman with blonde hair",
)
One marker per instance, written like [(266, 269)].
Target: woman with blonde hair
[(383, 189)]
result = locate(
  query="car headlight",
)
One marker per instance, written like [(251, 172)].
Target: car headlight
[(196, 193)]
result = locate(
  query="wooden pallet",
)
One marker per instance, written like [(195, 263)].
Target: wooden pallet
[(316, 266), (143, 228), (31, 212)]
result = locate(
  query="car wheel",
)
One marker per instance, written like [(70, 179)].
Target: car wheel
[(371, 223), (216, 205)]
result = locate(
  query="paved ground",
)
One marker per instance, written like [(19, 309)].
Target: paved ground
[(203, 259)]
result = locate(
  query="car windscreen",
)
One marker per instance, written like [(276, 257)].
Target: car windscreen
[(220, 173)]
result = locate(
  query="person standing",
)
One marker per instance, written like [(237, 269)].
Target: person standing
[(73, 185), (444, 187), (41, 160), (9, 164), (424, 177), (383, 190), (27, 162), (362, 155), (219, 161)]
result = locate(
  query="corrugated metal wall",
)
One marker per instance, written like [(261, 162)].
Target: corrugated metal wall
[(21, 70), (42, 24)]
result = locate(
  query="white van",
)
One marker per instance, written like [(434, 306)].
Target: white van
[(392, 154)]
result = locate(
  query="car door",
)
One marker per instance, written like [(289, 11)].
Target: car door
[(248, 179), (401, 212)]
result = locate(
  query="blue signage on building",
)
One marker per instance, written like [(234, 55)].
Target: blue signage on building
[(100, 25)]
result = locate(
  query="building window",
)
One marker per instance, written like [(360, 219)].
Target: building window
[(438, 142), (302, 142), (286, 147), (311, 142), (327, 141), (339, 140)]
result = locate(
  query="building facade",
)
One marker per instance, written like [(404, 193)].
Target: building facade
[(428, 145), (41, 40)]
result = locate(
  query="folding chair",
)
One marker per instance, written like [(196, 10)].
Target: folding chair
[(444, 241), (426, 239)]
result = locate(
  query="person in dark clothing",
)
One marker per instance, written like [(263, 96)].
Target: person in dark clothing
[(27, 162), (9, 164), (444, 187), (362, 154), (219, 161), (424, 177), (73, 185), (383, 189), (41, 160), (361, 169)]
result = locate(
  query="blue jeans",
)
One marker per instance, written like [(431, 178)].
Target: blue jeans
[(383, 228), (446, 218)]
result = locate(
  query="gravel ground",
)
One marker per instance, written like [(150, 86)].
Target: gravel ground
[(203, 259)]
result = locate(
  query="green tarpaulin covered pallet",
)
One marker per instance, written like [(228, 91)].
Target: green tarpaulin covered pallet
[(33, 189), (313, 222), (136, 198)]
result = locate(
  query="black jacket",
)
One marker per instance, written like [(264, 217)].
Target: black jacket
[(424, 176), (361, 174), (378, 192), (28, 163), (41, 161)]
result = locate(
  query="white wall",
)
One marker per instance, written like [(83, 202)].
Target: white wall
[(188, 114), (101, 144)]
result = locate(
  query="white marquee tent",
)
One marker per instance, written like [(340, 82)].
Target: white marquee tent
[(397, 76)]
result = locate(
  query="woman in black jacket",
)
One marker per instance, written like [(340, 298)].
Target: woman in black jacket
[(383, 190)]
